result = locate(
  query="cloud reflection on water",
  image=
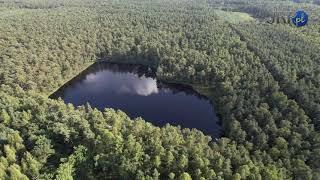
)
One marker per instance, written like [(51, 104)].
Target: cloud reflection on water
[(135, 90), (126, 83)]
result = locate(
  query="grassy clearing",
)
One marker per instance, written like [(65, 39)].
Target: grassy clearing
[(234, 17)]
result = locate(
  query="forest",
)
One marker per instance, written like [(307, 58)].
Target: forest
[(264, 81)]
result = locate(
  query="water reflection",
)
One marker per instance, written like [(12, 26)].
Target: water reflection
[(135, 90), (127, 83)]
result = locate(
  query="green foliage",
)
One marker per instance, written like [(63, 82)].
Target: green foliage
[(265, 90), (66, 169)]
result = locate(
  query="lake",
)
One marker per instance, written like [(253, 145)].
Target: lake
[(135, 90)]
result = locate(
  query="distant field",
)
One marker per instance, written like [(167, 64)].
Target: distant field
[(234, 17)]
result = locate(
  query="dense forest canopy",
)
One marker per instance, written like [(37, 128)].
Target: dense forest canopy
[(263, 79)]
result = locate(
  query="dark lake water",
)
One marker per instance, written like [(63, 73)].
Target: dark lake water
[(135, 90)]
